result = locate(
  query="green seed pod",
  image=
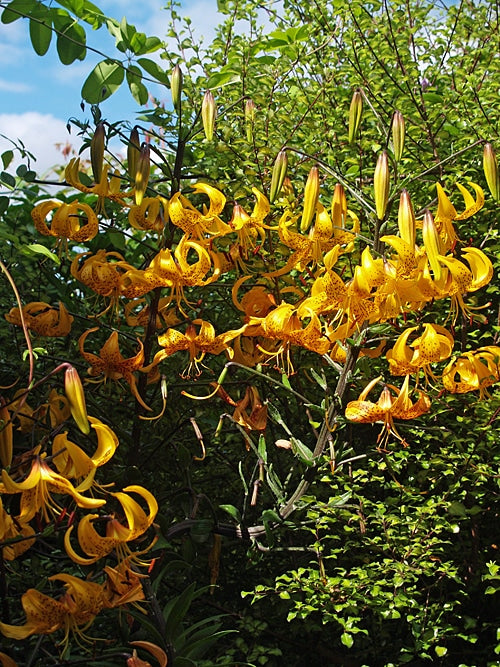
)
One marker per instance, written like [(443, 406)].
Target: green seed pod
[(398, 134), (278, 175), (490, 166), (176, 87), (355, 111), (249, 119), (208, 113), (142, 174), (133, 151), (97, 151), (311, 197), (381, 182)]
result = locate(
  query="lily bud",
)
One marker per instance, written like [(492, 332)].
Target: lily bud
[(355, 111), (97, 151), (287, 188), (142, 174), (73, 389), (6, 436), (176, 87), (339, 207), (278, 175), (311, 197), (249, 119), (490, 166), (398, 134), (133, 149), (208, 113), (406, 219), (432, 243), (381, 181)]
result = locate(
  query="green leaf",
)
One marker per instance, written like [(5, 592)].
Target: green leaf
[(38, 249), (262, 448), (7, 157), (441, 651), (17, 9), (4, 204), (223, 79), (103, 81), (8, 179), (154, 70), (137, 88), (233, 512), (41, 30), (303, 452), (347, 639), (71, 44)]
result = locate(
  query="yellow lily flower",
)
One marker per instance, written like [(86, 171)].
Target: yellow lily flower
[(43, 319), (447, 213), (197, 344), (73, 463), (165, 314), (72, 612), (96, 546), (10, 529), (433, 345), (66, 221), (152, 214), (99, 273), (37, 489), (250, 227), (105, 189), (112, 364), (184, 215), (249, 411), (122, 585), (284, 325), (473, 371), (393, 403)]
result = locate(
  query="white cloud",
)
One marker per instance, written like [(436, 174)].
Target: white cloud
[(39, 133), (15, 86)]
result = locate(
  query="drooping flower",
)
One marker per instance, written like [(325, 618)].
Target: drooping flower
[(73, 612), (473, 371), (447, 213), (433, 345), (197, 343), (249, 411), (105, 189), (393, 403), (75, 221), (111, 364), (152, 214), (100, 271), (13, 530), (37, 489), (118, 535), (43, 319), (184, 215)]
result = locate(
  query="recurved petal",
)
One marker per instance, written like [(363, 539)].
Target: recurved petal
[(364, 412)]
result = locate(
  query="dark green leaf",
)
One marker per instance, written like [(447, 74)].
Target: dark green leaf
[(7, 157), (41, 31), (18, 9), (137, 88), (71, 44), (154, 70)]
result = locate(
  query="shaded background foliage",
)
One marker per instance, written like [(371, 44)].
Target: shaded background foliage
[(390, 559)]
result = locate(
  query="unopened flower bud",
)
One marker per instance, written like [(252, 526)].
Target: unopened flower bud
[(249, 119), (339, 208), (176, 87), (398, 134), (208, 113), (278, 175), (311, 197), (432, 243), (355, 111), (73, 389), (381, 181), (406, 219), (97, 151), (142, 174), (133, 150), (490, 166)]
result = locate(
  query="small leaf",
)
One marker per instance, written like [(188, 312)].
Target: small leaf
[(303, 452), (137, 88), (71, 43), (41, 32), (262, 448), (440, 651), (153, 70), (18, 9), (347, 639), (233, 512), (7, 157), (39, 249), (8, 179), (103, 81)]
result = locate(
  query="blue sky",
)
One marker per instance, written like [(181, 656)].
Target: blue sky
[(39, 94)]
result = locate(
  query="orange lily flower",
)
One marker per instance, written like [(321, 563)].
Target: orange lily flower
[(250, 227), (112, 364), (66, 221), (249, 411), (105, 189), (123, 585), (165, 314), (446, 212), (100, 274), (197, 344), (393, 404), (152, 214), (96, 546), (78, 607), (43, 319)]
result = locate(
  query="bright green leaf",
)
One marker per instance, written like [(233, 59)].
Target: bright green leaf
[(104, 80)]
